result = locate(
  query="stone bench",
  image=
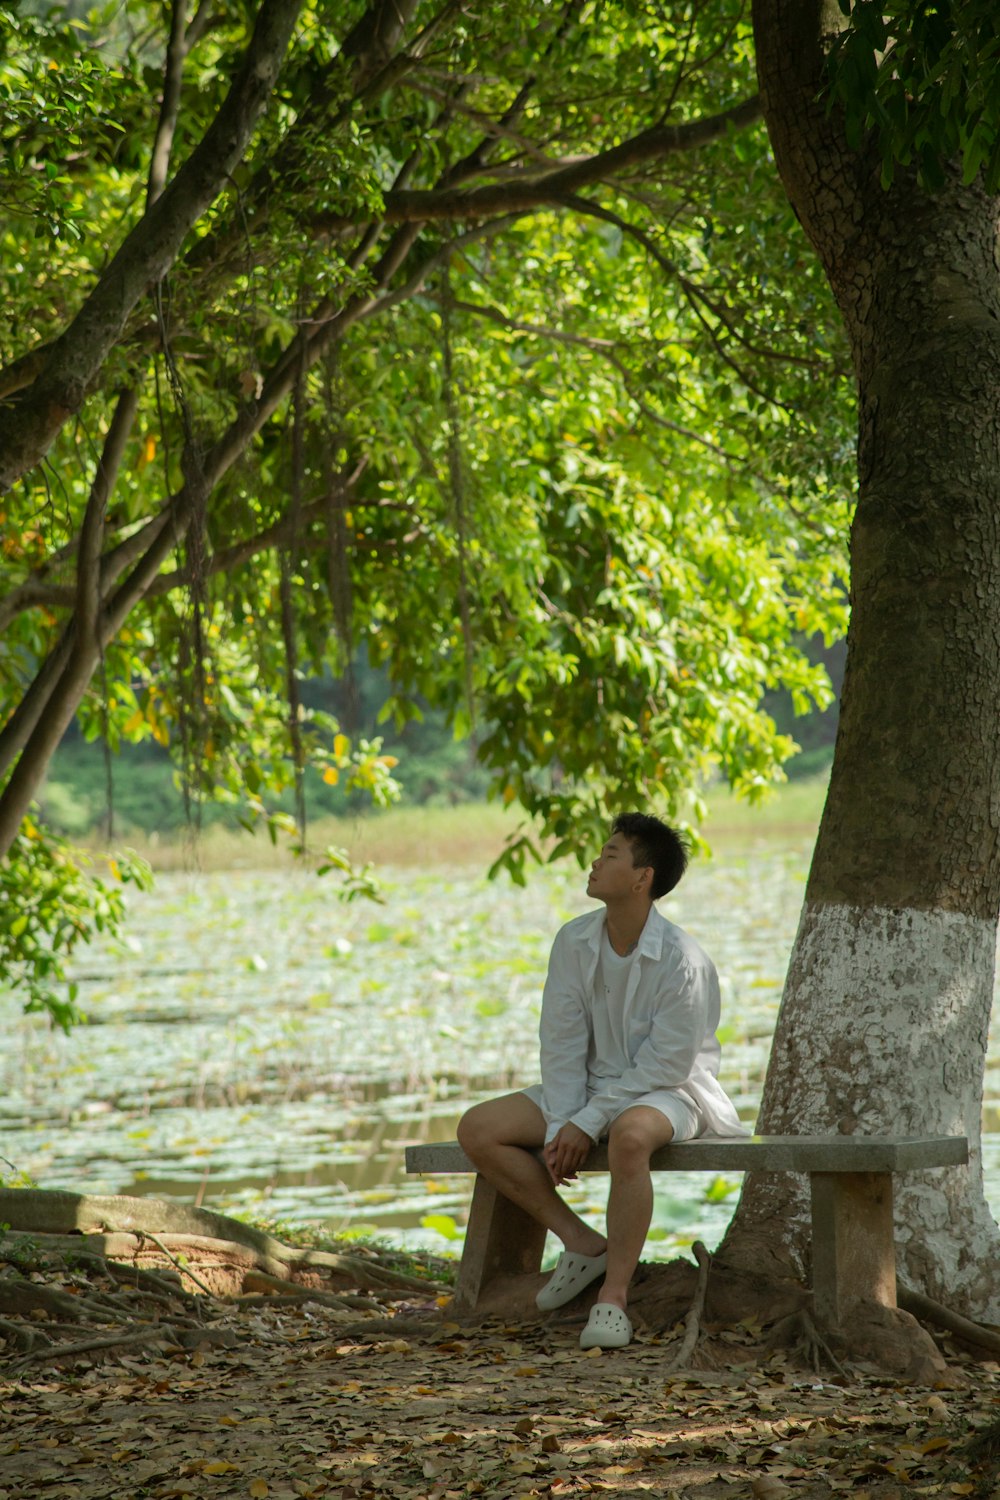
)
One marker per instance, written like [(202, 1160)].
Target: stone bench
[(853, 1252)]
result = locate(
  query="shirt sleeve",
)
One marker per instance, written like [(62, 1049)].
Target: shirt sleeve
[(564, 1035), (665, 1059)]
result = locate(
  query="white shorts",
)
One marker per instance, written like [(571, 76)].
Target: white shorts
[(679, 1111)]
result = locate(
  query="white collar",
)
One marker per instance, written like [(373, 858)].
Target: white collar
[(650, 938)]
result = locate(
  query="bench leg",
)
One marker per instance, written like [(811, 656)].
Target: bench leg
[(501, 1240), (853, 1251)]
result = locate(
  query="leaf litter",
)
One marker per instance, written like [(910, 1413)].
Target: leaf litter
[(290, 1402)]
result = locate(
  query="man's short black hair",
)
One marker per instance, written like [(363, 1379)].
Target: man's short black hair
[(655, 844)]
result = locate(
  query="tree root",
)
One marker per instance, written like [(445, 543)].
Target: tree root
[(25, 1299), (692, 1322), (800, 1332), (275, 1292), (184, 1270), (160, 1333), (136, 1272), (151, 1283), (928, 1311), (110, 1223), (21, 1335), (33, 1211), (163, 1287)]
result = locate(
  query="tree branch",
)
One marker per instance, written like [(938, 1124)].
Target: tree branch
[(30, 422), (88, 571), (280, 532), (550, 188), (177, 47), (367, 48), (22, 723)]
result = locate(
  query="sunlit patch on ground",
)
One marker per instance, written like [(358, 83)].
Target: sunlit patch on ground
[(298, 1410)]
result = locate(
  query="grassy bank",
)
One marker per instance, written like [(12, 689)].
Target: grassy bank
[(792, 811), (469, 835)]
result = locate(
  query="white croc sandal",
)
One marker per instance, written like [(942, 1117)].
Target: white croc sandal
[(571, 1275), (607, 1328)]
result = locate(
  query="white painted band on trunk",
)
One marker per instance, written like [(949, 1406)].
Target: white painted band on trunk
[(883, 1030), (890, 1011)]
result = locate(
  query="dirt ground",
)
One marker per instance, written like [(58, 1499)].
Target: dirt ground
[(311, 1400)]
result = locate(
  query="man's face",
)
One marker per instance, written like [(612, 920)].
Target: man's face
[(613, 876)]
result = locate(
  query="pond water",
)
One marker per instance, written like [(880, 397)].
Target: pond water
[(257, 1046)]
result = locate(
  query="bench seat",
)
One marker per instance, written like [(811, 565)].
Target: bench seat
[(853, 1253)]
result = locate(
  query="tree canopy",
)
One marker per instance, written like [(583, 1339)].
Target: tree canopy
[(483, 339)]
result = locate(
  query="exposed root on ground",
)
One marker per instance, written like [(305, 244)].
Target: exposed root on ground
[(261, 1290), (84, 1277), (114, 1226), (765, 1313), (799, 1333), (92, 1277), (926, 1310), (692, 1323)]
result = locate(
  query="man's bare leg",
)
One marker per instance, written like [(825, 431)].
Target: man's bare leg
[(499, 1137), (633, 1138)]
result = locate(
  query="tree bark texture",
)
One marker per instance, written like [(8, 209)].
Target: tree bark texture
[(883, 1025)]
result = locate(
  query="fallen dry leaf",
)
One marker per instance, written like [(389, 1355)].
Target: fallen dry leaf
[(766, 1487)]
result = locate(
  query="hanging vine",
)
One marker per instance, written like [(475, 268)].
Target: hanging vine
[(193, 655), (288, 555), (459, 493), (338, 559)]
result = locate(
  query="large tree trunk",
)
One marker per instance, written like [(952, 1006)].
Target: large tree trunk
[(883, 1026)]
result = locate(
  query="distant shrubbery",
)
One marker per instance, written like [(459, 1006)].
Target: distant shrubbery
[(146, 792)]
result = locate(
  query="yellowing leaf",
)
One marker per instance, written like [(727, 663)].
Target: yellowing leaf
[(341, 744), (331, 776), (258, 1489), (221, 1466)]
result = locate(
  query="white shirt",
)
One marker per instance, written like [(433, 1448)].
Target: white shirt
[(667, 1029), (606, 1055)]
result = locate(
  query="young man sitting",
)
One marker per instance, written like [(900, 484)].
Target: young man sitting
[(628, 1052)]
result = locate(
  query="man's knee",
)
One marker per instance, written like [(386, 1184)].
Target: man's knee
[(628, 1147), (513, 1120), (473, 1130), (633, 1138)]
